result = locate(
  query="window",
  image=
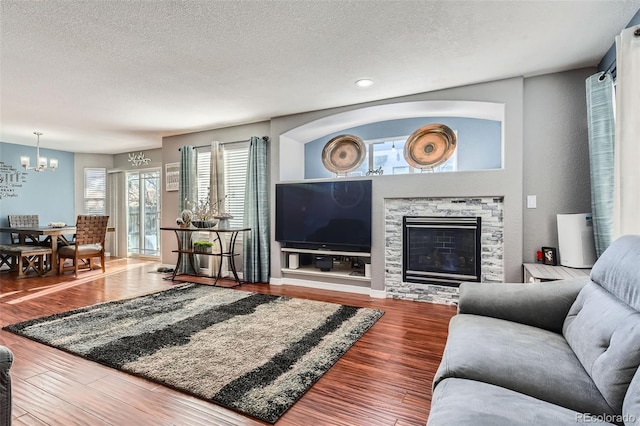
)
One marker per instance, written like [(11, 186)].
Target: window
[(387, 156), (95, 191), (235, 173)]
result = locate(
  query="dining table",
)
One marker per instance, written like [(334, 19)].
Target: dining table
[(57, 233)]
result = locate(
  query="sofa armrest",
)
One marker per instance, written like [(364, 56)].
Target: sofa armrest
[(6, 359), (543, 305)]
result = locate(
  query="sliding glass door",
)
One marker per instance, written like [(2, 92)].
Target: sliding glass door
[(143, 213)]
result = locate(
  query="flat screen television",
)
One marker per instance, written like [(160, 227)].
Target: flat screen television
[(324, 215)]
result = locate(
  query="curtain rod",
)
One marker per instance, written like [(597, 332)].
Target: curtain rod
[(612, 67), (221, 143), (611, 70)]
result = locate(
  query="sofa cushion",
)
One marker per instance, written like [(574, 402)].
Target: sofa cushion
[(525, 359), (83, 250), (631, 405), (6, 359), (522, 302), (618, 270), (468, 402), (604, 333)]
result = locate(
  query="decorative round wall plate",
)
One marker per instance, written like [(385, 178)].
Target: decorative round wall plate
[(430, 146), (343, 154)]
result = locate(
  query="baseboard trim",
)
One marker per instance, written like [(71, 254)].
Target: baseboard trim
[(378, 294), (276, 281)]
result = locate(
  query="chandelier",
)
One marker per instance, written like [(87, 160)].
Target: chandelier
[(40, 161)]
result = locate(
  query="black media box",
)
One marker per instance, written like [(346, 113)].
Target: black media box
[(324, 263)]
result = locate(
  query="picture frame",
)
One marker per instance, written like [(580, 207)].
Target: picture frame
[(549, 256), (172, 176)]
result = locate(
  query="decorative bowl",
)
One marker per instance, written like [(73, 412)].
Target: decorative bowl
[(204, 223), (57, 224), (343, 154), (430, 146)]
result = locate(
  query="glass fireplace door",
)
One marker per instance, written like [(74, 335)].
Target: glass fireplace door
[(441, 250)]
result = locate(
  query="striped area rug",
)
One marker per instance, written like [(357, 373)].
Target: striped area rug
[(254, 353)]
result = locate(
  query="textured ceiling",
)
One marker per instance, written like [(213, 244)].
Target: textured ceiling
[(115, 76)]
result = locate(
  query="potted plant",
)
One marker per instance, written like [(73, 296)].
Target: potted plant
[(202, 246), (204, 212)]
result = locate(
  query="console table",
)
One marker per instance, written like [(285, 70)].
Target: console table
[(539, 272), (223, 252)]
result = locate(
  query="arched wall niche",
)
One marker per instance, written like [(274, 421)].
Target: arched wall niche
[(293, 141)]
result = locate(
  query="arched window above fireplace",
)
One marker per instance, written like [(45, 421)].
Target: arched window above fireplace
[(479, 126)]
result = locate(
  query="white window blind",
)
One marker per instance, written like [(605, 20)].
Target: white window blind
[(95, 191), (204, 175), (235, 172)]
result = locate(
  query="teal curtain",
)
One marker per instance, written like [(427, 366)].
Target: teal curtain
[(601, 127), (256, 214), (188, 190)]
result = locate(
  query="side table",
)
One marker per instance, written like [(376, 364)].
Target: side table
[(539, 272), (223, 252)]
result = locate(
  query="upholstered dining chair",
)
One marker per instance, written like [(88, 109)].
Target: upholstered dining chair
[(17, 220), (90, 236)]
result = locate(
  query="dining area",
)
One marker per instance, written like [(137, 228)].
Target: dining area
[(36, 250)]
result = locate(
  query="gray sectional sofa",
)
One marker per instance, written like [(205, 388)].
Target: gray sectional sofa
[(556, 353), (6, 359)]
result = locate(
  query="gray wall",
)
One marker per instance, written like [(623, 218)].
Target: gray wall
[(170, 154), (81, 162), (99, 161), (507, 182), (556, 154), (121, 161), (545, 154)]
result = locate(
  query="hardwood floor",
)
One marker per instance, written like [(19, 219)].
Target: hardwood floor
[(384, 379)]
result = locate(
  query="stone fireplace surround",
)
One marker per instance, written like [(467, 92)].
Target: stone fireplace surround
[(490, 209)]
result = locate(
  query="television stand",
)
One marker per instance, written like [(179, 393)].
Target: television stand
[(341, 264)]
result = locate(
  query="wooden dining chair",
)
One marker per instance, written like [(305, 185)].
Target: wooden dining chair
[(90, 236)]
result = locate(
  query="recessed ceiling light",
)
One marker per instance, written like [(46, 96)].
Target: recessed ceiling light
[(364, 82)]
